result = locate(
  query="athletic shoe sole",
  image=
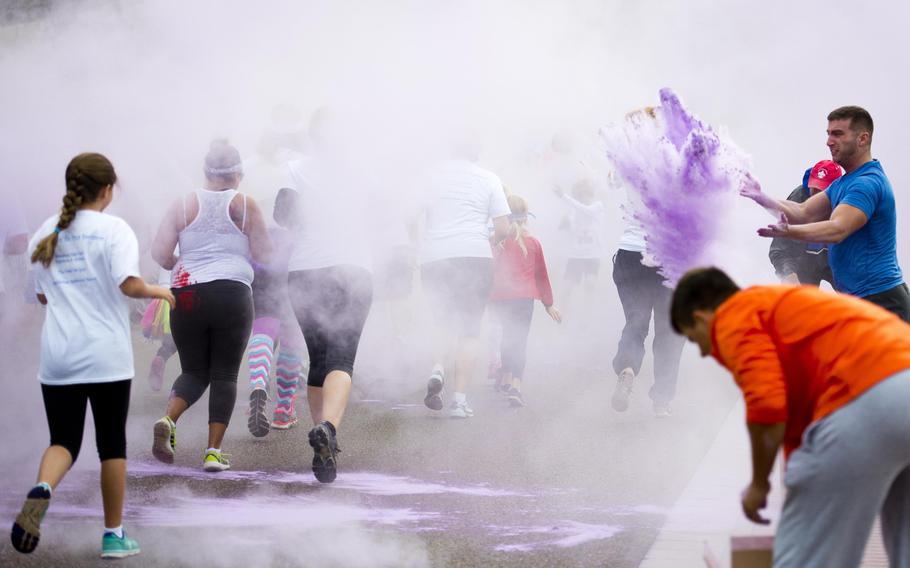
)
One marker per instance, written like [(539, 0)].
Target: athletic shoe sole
[(124, 554), (161, 447), (433, 400), (26, 530), (516, 401), (214, 467), (284, 425), (323, 461), (258, 422)]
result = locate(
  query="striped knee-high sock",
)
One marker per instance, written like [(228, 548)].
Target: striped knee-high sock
[(261, 351), (288, 378)]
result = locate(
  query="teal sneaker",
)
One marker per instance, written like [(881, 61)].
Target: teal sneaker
[(164, 446), (215, 461), (112, 546)]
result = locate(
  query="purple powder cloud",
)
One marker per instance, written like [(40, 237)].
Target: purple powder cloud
[(676, 168)]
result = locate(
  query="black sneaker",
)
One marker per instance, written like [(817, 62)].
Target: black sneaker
[(325, 447), (515, 398), (435, 387), (27, 528), (258, 422)]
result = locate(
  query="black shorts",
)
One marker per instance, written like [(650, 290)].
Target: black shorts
[(65, 409), (457, 290), (579, 269), (331, 305)]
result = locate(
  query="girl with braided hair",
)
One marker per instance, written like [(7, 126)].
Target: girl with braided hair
[(87, 263)]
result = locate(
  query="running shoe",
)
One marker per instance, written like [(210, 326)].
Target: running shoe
[(156, 373), (622, 391), (661, 409), (215, 461), (113, 546), (325, 448), (282, 420), (515, 398), (461, 410), (27, 528), (258, 422), (435, 389), (165, 444)]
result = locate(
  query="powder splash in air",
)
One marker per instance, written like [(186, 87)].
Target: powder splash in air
[(676, 169)]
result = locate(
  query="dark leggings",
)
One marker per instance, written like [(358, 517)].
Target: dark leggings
[(642, 293), (331, 305), (515, 317), (167, 349), (65, 409), (211, 325)]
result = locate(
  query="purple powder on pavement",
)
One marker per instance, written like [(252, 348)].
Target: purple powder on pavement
[(676, 169)]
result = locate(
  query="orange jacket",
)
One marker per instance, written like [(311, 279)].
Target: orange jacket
[(799, 354)]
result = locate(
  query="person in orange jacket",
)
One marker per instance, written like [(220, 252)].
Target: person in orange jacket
[(828, 377)]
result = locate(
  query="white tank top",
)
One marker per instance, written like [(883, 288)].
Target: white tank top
[(212, 247)]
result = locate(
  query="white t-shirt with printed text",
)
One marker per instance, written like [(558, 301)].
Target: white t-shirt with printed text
[(86, 333)]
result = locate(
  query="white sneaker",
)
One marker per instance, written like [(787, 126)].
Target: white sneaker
[(622, 391), (461, 410), (662, 410)]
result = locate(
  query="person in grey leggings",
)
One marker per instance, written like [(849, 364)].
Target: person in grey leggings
[(828, 378)]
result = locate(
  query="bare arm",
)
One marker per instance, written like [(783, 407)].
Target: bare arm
[(134, 287), (766, 440), (816, 208), (166, 239), (845, 221), (256, 230), (500, 229)]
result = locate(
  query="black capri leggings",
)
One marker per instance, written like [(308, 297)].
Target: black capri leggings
[(211, 325), (65, 409), (331, 305)]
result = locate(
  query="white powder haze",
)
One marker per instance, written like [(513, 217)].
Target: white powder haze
[(150, 83)]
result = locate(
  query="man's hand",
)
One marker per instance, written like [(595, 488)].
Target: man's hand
[(754, 499), (779, 229), (752, 189)]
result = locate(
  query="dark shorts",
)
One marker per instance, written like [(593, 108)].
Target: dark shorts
[(331, 305), (896, 300), (457, 290), (65, 408), (579, 269), (394, 275)]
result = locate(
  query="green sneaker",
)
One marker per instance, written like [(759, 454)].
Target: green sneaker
[(215, 461), (165, 445), (112, 546)]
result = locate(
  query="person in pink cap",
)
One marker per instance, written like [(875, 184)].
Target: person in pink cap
[(797, 262)]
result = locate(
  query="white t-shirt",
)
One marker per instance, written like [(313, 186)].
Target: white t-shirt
[(586, 224), (86, 333), (333, 219), (462, 198)]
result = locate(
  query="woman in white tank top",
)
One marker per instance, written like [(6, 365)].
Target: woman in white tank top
[(218, 230)]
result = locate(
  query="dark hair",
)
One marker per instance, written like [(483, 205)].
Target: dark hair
[(86, 175), (699, 289), (223, 161), (860, 119)]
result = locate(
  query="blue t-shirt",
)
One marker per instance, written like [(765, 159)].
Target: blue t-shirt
[(865, 263)]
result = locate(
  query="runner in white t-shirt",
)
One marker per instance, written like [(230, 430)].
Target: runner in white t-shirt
[(87, 263), (456, 268)]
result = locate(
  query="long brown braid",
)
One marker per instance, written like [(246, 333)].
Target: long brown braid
[(86, 175)]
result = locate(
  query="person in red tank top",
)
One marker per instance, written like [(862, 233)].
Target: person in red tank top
[(519, 278)]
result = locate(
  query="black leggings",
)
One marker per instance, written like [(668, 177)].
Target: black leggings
[(211, 325), (515, 317), (65, 409), (331, 305)]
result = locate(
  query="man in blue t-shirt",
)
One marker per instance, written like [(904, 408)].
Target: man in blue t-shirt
[(856, 216)]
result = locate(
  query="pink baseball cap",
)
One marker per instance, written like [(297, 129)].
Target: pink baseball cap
[(823, 173)]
